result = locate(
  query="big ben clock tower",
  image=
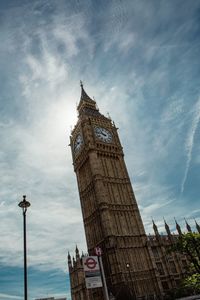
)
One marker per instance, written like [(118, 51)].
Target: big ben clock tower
[(110, 213)]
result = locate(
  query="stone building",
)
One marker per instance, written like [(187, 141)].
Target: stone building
[(111, 216), (51, 298), (170, 267)]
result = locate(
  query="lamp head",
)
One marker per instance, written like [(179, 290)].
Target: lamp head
[(24, 204)]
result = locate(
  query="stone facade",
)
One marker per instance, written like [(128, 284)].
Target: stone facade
[(111, 216), (170, 267), (51, 298)]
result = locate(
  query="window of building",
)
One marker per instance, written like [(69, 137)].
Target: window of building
[(155, 252), (165, 285), (177, 282), (151, 297), (173, 267), (184, 264), (160, 268)]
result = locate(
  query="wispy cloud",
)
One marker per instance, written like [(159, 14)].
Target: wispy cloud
[(129, 56), (190, 141), (7, 296), (40, 165)]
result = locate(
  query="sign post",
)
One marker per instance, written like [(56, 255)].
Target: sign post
[(92, 272), (98, 252)]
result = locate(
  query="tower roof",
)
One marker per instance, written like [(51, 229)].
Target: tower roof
[(86, 102), (84, 95), (87, 106)]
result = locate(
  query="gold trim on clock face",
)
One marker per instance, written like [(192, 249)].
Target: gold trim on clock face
[(103, 134), (78, 143)]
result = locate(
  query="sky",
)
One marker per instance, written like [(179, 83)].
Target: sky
[(139, 59)]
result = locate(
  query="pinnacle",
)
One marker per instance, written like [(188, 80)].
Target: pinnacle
[(84, 95)]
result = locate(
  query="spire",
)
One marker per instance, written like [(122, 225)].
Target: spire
[(197, 226), (86, 104), (178, 228), (155, 228), (167, 228), (77, 254), (74, 262), (84, 95), (69, 260), (188, 226)]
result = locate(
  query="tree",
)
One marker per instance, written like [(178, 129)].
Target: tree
[(193, 282), (189, 244)]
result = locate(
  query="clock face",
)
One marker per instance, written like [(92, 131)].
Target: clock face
[(78, 143), (103, 134)]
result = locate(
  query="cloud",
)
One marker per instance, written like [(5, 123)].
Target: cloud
[(39, 161), (190, 142), (49, 69), (43, 160), (129, 57), (7, 296)]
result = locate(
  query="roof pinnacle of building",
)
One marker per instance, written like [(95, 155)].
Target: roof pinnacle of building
[(178, 228), (167, 227), (187, 226), (77, 253), (69, 260), (197, 226), (155, 228)]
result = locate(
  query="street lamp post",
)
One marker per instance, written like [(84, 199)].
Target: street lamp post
[(128, 268), (131, 284), (24, 205)]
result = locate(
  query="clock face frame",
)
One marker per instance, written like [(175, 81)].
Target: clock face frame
[(78, 143), (103, 134)]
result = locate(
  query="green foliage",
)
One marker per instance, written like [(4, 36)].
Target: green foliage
[(177, 292), (193, 282), (189, 244), (189, 286)]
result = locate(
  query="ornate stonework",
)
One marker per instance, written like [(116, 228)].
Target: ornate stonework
[(110, 212), (111, 216)]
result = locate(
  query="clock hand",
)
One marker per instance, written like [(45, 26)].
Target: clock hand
[(102, 132)]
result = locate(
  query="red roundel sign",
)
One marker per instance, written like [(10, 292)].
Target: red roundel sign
[(90, 263)]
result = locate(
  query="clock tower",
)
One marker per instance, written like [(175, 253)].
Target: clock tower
[(111, 216)]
